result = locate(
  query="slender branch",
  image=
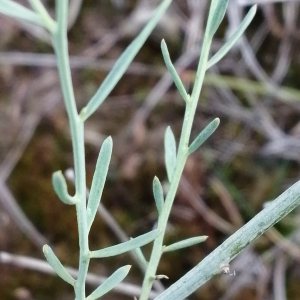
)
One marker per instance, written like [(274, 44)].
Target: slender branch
[(49, 23), (191, 106), (77, 132)]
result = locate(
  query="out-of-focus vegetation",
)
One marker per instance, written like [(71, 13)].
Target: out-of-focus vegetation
[(252, 157)]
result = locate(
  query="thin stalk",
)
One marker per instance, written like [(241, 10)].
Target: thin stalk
[(190, 110), (39, 8), (77, 132)]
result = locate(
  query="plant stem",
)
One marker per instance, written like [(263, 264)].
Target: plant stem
[(211, 264), (190, 110), (77, 133), (42, 12)]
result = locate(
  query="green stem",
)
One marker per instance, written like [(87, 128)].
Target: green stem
[(77, 133), (39, 8), (190, 110)]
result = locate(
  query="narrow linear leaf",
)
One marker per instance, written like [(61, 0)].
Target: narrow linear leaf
[(123, 62), (17, 11), (216, 14), (204, 135), (234, 38), (140, 256), (60, 187), (99, 180), (170, 152), (186, 243), (126, 246), (158, 194), (173, 71), (57, 266), (110, 283)]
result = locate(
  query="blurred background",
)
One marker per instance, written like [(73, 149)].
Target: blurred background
[(252, 158)]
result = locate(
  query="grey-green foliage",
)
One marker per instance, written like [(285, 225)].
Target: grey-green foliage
[(212, 264), (99, 180), (173, 72), (126, 246), (122, 63), (185, 243), (158, 195), (61, 189), (216, 15), (57, 266), (20, 12), (110, 283), (85, 213), (204, 135), (233, 39), (170, 152), (175, 158)]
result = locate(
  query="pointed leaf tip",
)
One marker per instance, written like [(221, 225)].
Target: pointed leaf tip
[(173, 72), (99, 179), (185, 243), (204, 135), (123, 63), (234, 38), (216, 14), (57, 266), (158, 195)]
